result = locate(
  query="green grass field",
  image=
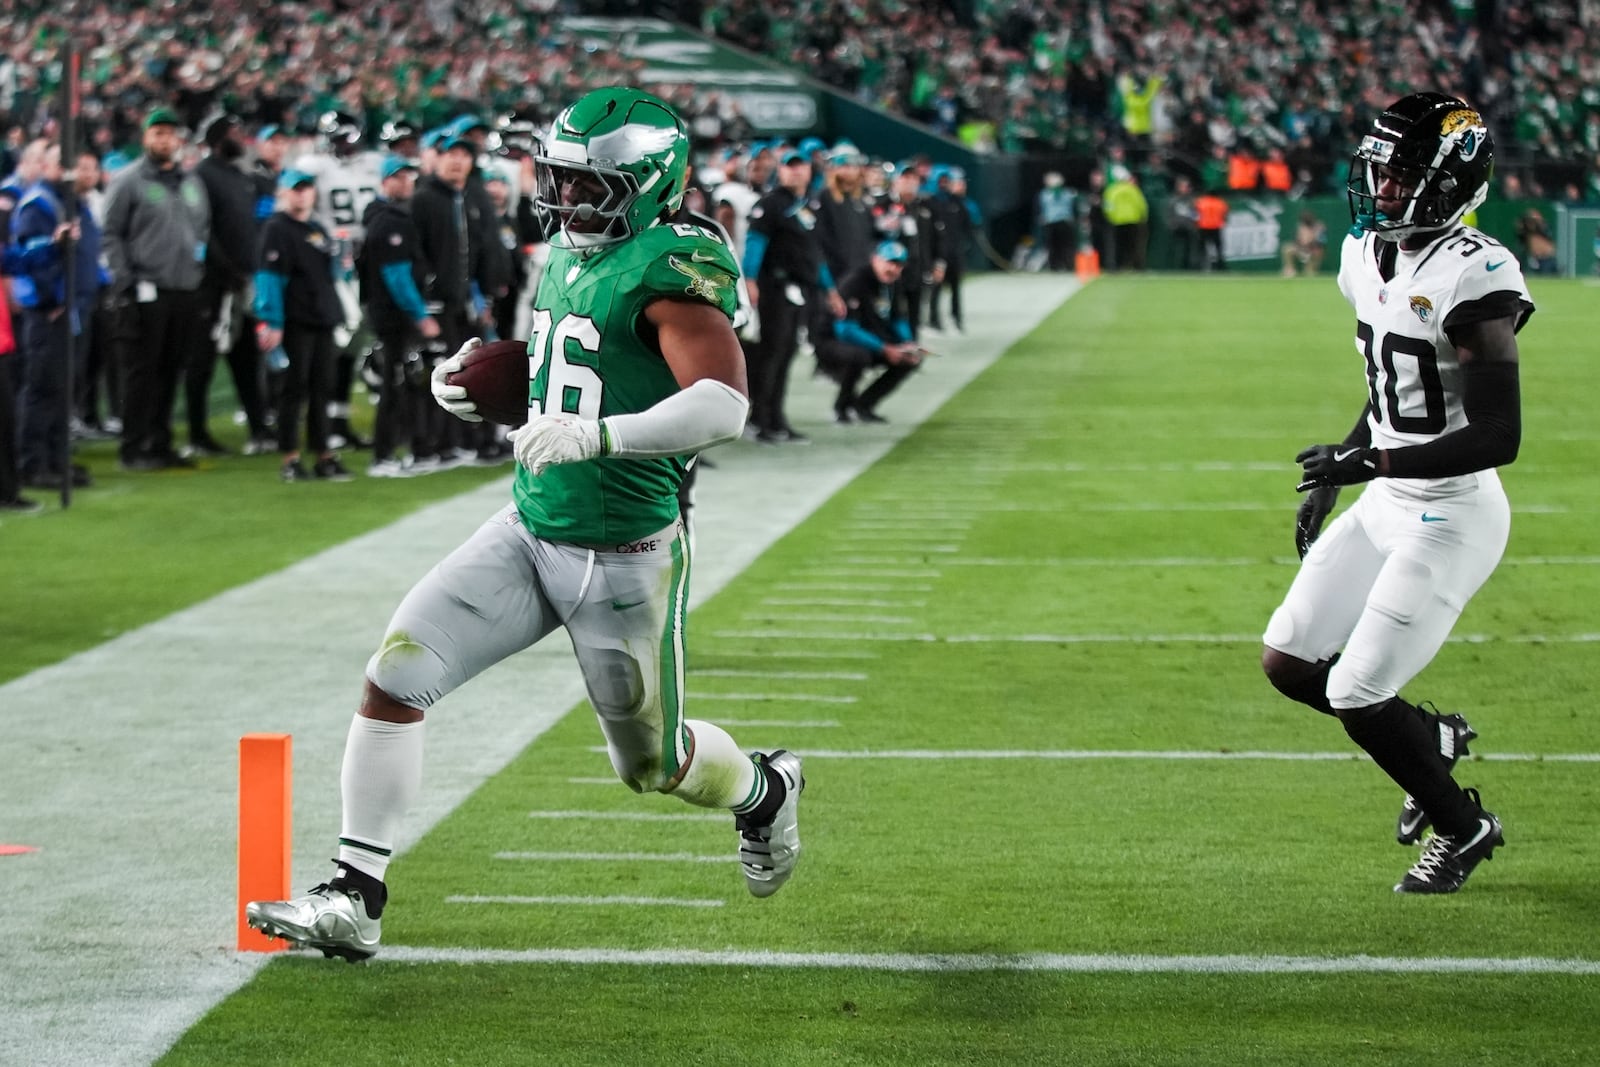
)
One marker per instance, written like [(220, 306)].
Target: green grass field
[(983, 646)]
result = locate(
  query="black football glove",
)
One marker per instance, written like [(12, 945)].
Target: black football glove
[(1326, 466), (1314, 511)]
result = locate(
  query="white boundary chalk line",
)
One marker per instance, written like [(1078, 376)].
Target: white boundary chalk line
[(969, 962)]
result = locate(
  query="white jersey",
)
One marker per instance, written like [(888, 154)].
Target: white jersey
[(345, 186), (1414, 378)]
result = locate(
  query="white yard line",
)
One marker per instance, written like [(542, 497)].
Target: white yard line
[(824, 676), (626, 902), (631, 816), (1182, 755), (786, 724), (618, 857), (787, 698), (120, 762), (954, 962), (1106, 639)]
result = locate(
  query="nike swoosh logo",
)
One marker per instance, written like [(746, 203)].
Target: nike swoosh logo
[(1340, 457), (1485, 828), (1433, 518), (1496, 265), (1408, 827), (700, 257), (617, 605)]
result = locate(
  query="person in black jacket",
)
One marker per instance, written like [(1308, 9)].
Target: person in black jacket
[(298, 308), (844, 217), (902, 214), (784, 274), (875, 332), (230, 265), (954, 214), (450, 232), (394, 275)]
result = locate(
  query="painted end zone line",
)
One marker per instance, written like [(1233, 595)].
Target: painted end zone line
[(1033, 961)]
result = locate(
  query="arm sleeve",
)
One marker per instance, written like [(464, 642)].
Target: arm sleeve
[(402, 288), (707, 413), (1491, 437), (1361, 432), (825, 277), (755, 250), (902, 330), (852, 332), (269, 297)]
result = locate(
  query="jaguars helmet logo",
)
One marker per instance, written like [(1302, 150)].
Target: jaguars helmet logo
[(1466, 128), (703, 284), (1423, 307)]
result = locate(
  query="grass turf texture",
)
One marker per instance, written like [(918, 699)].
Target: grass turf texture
[(1140, 393)]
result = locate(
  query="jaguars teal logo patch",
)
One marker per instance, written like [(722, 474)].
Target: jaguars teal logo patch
[(1422, 307)]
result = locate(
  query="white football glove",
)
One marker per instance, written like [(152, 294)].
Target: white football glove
[(550, 439), (453, 398)]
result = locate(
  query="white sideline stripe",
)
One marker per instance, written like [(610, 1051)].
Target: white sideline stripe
[(798, 698), (824, 676), (1024, 961), (1132, 754), (117, 999), (616, 857), (788, 616), (629, 816), (839, 602), (1112, 639), (852, 587), (631, 902), (802, 724)]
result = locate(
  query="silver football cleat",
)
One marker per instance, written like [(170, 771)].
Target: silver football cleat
[(332, 917), (768, 853)]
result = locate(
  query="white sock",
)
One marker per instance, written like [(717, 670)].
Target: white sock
[(720, 775), (382, 774)]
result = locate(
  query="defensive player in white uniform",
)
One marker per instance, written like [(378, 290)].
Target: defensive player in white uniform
[(634, 368), (1438, 306)]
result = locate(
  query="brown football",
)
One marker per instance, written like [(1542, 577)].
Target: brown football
[(495, 376)]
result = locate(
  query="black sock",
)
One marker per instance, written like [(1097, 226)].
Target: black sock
[(1400, 738), (374, 894), (767, 810), (1312, 690)]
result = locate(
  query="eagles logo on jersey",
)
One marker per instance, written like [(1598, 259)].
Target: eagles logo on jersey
[(1433, 157)]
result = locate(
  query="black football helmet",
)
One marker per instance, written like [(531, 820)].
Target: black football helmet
[(1438, 149), (340, 131)]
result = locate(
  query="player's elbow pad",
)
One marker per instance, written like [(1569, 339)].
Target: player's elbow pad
[(707, 413)]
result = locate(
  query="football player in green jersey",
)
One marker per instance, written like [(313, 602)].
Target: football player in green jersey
[(633, 368)]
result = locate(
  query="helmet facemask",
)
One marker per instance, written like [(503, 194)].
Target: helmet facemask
[(613, 164)]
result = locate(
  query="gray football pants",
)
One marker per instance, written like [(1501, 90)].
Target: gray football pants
[(504, 589)]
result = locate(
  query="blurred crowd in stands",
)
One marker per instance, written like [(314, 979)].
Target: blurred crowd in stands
[(1270, 81)]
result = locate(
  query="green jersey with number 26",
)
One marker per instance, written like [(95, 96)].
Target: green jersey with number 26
[(592, 353)]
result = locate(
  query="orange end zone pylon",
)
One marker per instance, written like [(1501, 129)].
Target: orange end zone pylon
[(265, 795)]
